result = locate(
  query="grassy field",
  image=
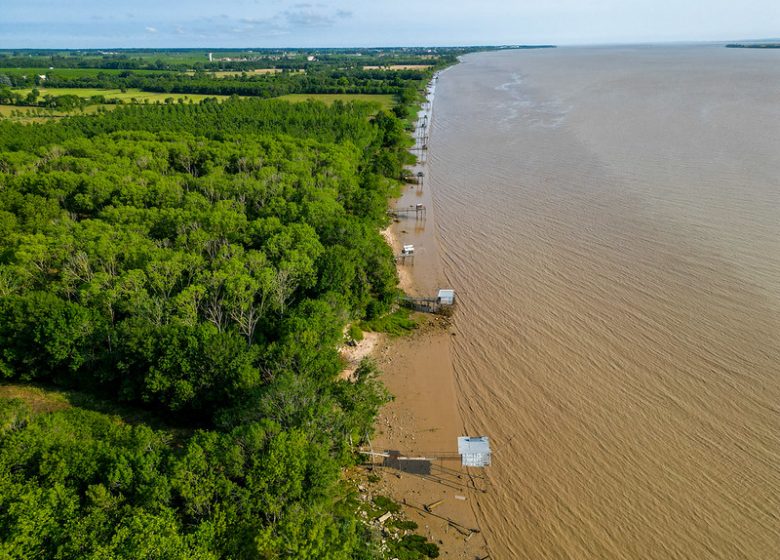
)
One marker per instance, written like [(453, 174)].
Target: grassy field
[(127, 95), (234, 73), (257, 71), (39, 400), (385, 101), (39, 114), (44, 399), (6, 110)]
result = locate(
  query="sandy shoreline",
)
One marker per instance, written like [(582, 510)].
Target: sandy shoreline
[(405, 281), (423, 419)]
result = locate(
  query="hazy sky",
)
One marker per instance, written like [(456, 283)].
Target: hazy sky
[(282, 23)]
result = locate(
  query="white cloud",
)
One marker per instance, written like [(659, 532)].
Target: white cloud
[(151, 29)]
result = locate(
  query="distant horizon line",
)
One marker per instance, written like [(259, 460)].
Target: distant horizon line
[(449, 46)]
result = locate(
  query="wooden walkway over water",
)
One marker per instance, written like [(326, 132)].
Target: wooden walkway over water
[(426, 305), (419, 211)]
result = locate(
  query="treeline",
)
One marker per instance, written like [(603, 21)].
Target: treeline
[(340, 123), (201, 262), (197, 59), (268, 85), (59, 59), (274, 85), (66, 103), (753, 46)]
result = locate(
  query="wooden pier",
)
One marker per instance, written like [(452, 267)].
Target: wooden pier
[(427, 305), (416, 179), (442, 303), (418, 210), (407, 253)]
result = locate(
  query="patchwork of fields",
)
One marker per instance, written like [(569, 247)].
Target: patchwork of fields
[(385, 101), (129, 95)]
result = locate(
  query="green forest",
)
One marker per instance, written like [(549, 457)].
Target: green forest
[(198, 263)]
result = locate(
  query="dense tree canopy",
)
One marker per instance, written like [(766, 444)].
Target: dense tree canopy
[(182, 271), (200, 262), (79, 484)]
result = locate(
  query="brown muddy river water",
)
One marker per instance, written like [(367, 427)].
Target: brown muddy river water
[(610, 219)]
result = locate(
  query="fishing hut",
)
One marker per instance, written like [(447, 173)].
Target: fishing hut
[(407, 253), (418, 210), (472, 452), (446, 297)]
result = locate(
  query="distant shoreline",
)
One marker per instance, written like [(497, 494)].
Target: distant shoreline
[(753, 46)]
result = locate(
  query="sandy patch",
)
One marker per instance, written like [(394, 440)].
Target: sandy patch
[(405, 281), (354, 354)]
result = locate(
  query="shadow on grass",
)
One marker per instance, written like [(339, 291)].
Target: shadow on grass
[(44, 399)]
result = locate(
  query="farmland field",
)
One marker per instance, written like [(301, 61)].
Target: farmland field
[(399, 67), (127, 95), (39, 114), (22, 113), (386, 101)]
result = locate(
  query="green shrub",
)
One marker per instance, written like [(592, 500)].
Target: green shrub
[(404, 524), (386, 504), (354, 333), (414, 547), (398, 323)]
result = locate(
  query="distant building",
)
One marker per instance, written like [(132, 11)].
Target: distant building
[(311, 58)]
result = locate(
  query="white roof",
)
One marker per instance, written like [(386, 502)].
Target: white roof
[(446, 297), (474, 451)]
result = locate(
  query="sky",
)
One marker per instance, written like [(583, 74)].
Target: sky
[(365, 23)]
